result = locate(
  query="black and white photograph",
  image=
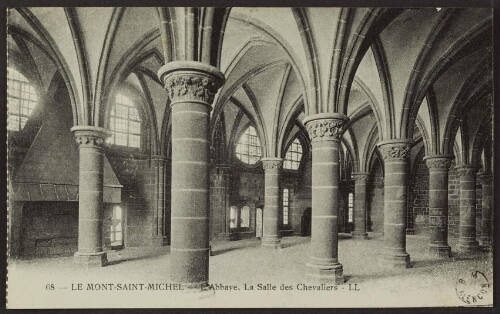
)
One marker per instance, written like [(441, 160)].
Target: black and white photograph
[(249, 157)]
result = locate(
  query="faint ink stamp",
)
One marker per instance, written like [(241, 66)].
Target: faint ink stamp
[(473, 288)]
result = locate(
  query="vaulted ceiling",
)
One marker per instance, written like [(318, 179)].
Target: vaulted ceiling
[(397, 73)]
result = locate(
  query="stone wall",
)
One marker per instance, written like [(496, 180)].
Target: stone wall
[(137, 175), (301, 197), (419, 200), (479, 207), (49, 229), (453, 202), (375, 199), (419, 197), (247, 189)]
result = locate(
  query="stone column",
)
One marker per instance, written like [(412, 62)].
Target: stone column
[(90, 195), (438, 204), (360, 179), (467, 230), (158, 237), (191, 87), (271, 237), (395, 153), (324, 131), (486, 217)]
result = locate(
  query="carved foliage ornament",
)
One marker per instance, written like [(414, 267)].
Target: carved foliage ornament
[(466, 171), (360, 178), (325, 129), (272, 164), (191, 87), (438, 163), (485, 177), (395, 151), (89, 140)]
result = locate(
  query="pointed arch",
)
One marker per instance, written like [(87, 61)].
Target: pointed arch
[(372, 24), (460, 49), (52, 50), (102, 68), (312, 91), (122, 69)]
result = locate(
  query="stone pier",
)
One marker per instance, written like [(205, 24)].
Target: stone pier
[(325, 130), (467, 242), (191, 87), (395, 153), (91, 141), (271, 237), (360, 179), (438, 204)]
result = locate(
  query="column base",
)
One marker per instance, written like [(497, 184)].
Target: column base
[(98, 259), (468, 247), (410, 231), (400, 260), (359, 235), (439, 250), (326, 273), (486, 242), (271, 242)]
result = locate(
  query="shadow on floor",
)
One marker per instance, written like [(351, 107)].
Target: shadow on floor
[(222, 251), (118, 258), (295, 242), (343, 236), (428, 263)]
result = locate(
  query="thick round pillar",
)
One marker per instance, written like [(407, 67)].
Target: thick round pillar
[(191, 87), (90, 195), (395, 153), (486, 217), (271, 237), (360, 179), (438, 204), (324, 131), (467, 242)]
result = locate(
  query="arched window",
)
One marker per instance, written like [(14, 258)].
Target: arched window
[(286, 205), (125, 123), (350, 207), (21, 100), (233, 217), (248, 149), (293, 155), (117, 227), (245, 217)]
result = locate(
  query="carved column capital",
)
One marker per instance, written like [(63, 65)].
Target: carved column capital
[(191, 81), (325, 126), (467, 170), (223, 169), (485, 177), (272, 163), (396, 149), (90, 136), (438, 162), (360, 177)]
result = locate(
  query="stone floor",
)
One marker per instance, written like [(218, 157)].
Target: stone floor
[(54, 282)]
